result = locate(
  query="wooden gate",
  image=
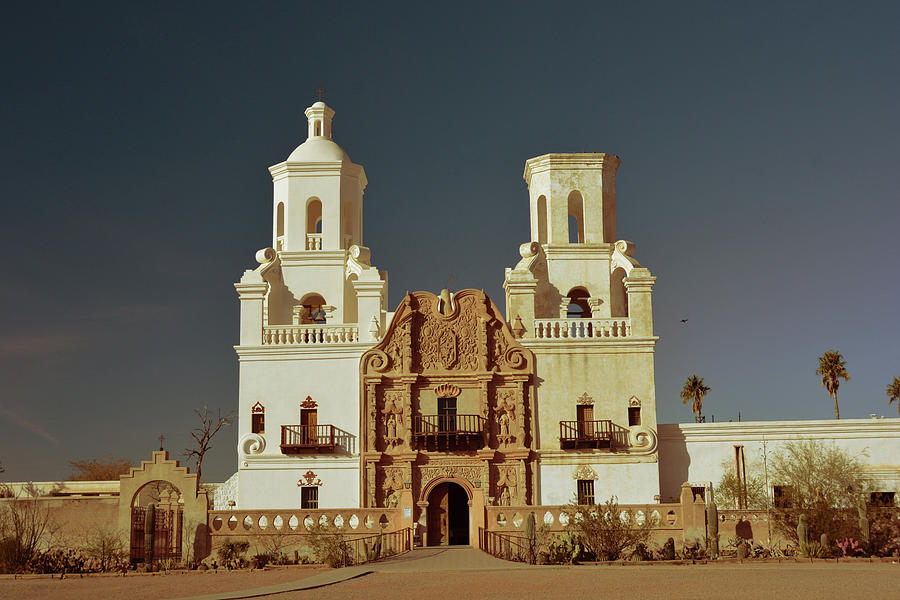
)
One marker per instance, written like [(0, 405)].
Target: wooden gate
[(157, 529)]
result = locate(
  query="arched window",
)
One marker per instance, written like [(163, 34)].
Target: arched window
[(576, 218), (313, 215), (542, 219), (318, 128), (348, 224), (618, 297), (279, 226), (578, 304)]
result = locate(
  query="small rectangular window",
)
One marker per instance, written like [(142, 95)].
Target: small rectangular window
[(258, 423), (881, 498), (634, 416), (309, 496), (585, 491), (781, 496)]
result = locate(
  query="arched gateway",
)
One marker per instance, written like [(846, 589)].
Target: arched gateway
[(447, 401), (175, 526)]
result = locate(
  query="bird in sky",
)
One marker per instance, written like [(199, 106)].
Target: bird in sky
[(684, 320)]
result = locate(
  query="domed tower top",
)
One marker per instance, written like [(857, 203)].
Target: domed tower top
[(319, 147), (318, 196)]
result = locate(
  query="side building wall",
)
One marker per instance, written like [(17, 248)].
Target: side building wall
[(701, 452)]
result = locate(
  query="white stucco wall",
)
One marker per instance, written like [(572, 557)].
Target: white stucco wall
[(697, 452), (635, 483), (274, 485)]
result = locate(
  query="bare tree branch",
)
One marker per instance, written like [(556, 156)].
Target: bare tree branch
[(203, 435)]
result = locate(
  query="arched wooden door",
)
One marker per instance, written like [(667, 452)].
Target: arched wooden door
[(448, 515)]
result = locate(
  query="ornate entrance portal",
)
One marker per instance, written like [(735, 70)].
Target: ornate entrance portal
[(448, 515)]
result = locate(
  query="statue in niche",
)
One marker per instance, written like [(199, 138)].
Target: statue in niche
[(393, 500), (504, 496), (392, 426), (504, 424)]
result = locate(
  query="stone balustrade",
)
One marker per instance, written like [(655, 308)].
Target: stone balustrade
[(295, 521), (313, 241), (304, 335), (556, 518), (564, 329)]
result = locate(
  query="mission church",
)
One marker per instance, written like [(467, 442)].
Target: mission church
[(448, 403)]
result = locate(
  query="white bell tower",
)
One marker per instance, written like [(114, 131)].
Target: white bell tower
[(324, 276), (318, 192)]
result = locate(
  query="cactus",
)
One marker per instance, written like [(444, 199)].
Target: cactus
[(712, 529), (668, 550), (149, 526), (863, 523), (802, 530), (376, 550), (826, 542), (531, 534)]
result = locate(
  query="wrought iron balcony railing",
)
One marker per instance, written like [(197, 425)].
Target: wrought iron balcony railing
[(315, 438), (452, 431), (585, 434)]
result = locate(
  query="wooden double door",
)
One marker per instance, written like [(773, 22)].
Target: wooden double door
[(448, 515)]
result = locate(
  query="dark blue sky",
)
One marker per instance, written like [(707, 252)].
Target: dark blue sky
[(758, 180)]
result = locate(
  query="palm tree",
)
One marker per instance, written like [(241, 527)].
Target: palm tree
[(893, 392), (694, 390), (833, 368)]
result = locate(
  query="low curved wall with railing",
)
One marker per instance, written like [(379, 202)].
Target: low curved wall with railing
[(511, 519), (294, 521)]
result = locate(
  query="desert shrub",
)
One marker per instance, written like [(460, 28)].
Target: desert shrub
[(825, 483), (330, 549), (606, 531), (231, 552), (885, 532), (24, 529), (812, 550), (105, 547), (729, 489)]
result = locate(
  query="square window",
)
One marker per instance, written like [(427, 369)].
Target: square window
[(309, 496)]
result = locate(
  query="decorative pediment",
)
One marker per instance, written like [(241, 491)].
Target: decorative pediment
[(257, 408), (433, 335), (633, 402), (584, 399), (447, 390), (309, 478), (585, 472), (309, 403)]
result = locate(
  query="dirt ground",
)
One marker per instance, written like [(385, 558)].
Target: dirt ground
[(733, 581), (149, 587), (688, 582)]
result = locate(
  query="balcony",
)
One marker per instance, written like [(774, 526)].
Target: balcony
[(299, 439), (449, 432), (309, 335), (585, 434), (568, 329)]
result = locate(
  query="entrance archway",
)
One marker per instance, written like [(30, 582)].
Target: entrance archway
[(448, 515)]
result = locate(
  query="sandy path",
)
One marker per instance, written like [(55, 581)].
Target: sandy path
[(149, 587)]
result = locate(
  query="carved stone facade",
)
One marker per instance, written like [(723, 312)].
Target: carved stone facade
[(448, 396)]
